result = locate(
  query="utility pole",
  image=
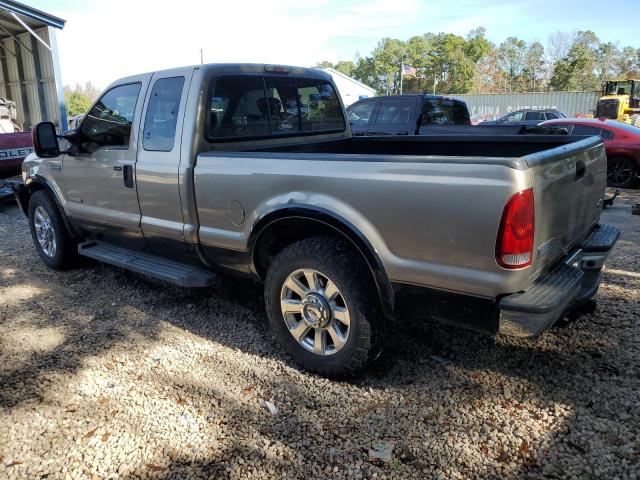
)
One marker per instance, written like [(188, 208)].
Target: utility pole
[(435, 81), (201, 58)]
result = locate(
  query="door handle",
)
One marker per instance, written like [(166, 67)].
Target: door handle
[(581, 168), (402, 133), (127, 175)]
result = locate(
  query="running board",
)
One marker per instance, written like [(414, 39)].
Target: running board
[(180, 274)]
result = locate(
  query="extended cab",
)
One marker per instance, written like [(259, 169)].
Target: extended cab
[(252, 168)]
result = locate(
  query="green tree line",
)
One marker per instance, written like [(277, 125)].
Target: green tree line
[(448, 63)]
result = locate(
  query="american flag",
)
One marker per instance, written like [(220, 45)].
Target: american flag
[(408, 70)]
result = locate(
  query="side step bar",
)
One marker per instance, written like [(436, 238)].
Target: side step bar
[(180, 274)]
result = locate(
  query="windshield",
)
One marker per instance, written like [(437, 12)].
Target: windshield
[(444, 111), (618, 88)]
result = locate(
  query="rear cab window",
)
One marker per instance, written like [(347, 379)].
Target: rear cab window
[(244, 106)]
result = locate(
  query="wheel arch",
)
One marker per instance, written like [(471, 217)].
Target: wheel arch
[(34, 184), (274, 231)]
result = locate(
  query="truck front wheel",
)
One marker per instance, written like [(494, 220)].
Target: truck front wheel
[(322, 308), (54, 244)]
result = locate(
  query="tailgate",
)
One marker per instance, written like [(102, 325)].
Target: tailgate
[(569, 186)]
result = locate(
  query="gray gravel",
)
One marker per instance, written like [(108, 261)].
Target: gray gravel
[(104, 374)]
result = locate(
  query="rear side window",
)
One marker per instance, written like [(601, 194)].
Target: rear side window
[(162, 114), (248, 106), (585, 130), (395, 111), (360, 114), (607, 134), (551, 115), (444, 111), (534, 116)]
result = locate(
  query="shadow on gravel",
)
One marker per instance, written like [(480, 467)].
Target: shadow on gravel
[(579, 366)]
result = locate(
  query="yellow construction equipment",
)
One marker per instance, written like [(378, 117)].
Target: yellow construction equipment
[(620, 101)]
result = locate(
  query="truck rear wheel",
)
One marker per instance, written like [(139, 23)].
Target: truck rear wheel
[(322, 308), (50, 236)]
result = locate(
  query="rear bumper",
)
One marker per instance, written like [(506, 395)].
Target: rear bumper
[(574, 281)]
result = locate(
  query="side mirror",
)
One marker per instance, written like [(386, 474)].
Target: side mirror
[(45, 140)]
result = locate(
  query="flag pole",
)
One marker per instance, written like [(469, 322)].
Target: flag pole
[(401, 72)]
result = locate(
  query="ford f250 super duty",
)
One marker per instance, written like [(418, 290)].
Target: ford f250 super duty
[(181, 173)]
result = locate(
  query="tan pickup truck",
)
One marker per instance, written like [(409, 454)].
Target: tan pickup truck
[(252, 169)]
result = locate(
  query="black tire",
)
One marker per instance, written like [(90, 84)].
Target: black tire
[(66, 248), (347, 269), (622, 172)]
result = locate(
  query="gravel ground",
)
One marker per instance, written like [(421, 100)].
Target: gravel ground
[(104, 374)]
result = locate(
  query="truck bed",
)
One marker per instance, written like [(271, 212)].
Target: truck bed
[(503, 146), (448, 191)]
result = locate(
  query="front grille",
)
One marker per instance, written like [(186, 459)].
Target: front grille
[(607, 109)]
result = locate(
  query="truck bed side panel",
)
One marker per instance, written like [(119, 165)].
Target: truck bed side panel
[(432, 222)]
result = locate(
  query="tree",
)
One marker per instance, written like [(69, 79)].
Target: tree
[(324, 64), (628, 62), (77, 103), (534, 66), (577, 70), (455, 64), (512, 60)]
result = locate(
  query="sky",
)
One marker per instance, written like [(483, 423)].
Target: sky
[(107, 39)]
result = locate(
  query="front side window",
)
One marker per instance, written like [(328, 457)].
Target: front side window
[(255, 106), (162, 114), (395, 111), (360, 113), (108, 124), (514, 117)]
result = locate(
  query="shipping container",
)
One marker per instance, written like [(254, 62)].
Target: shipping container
[(489, 106)]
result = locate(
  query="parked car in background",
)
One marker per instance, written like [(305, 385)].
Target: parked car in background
[(621, 142), (405, 114), (527, 117), (14, 147), (179, 173)]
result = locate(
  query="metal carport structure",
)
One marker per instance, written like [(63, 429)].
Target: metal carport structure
[(29, 64)]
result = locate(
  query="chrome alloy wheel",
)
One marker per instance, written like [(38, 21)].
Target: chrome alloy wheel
[(315, 311), (44, 231)]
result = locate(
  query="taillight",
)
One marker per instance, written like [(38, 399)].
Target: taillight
[(514, 246)]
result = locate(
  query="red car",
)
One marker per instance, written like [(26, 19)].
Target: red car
[(14, 147), (621, 142)]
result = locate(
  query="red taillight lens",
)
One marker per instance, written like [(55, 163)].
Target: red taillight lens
[(514, 246)]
